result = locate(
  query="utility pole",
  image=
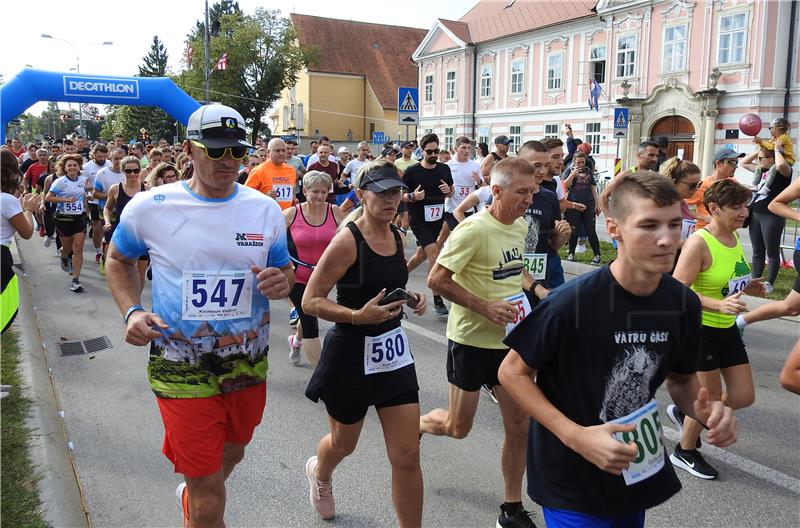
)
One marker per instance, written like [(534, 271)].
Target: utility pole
[(205, 51)]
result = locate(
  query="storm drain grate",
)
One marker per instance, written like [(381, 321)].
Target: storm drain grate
[(88, 346)]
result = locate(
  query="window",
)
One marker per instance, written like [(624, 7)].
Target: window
[(732, 37), (483, 139), (515, 135), (448, 137), (285, 122), (551, 130), (517, 76), (555, 68), (486, 81), (291, 112), (450, 86), (429, 88), (301, 117), (593, 136), (597, 63), (626, 56), (674, 49)]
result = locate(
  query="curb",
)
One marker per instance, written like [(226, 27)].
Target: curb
[(63, 503)]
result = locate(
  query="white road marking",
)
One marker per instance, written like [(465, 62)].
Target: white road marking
[(748, 466)]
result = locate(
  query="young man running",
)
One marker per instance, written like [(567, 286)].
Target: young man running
[(587, 371), (99, 161), (481, 271), (209, 328)]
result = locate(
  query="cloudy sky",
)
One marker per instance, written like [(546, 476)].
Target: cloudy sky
[(86, 24)]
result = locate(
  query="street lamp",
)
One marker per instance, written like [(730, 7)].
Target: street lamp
[(77, 69)]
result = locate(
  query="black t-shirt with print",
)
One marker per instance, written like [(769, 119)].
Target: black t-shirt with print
[(600, 353), (541, 218), (581, 189), (430, 180), (779, 183)]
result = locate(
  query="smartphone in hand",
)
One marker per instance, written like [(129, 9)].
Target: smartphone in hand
[(399, 295)]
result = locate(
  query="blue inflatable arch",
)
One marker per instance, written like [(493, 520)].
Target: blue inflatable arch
[(31, 86)]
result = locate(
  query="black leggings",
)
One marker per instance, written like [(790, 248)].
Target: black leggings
[(586, 219), (308, 323), (765, 236)]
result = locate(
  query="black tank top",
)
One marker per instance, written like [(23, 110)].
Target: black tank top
[(122, 201), (368, 275)]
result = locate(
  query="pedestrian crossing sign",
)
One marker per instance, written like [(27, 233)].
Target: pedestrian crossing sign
[(620, 118), (407, 106)]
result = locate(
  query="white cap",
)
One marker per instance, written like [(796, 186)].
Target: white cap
[(217, 126)]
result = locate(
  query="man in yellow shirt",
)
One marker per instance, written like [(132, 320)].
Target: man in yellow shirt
[(275, 177)]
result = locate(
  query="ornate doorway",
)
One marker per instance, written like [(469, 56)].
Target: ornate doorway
[(679, 131)]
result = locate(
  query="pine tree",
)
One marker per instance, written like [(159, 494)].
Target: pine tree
[(155, 62), (157, 122)]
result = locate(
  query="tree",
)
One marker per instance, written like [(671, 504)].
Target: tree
[(264, 57), (215, 14)]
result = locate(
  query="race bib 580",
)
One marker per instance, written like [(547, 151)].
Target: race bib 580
[(387, 352)]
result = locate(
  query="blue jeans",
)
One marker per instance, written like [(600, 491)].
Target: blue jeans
[(571, 519), (554, 276)]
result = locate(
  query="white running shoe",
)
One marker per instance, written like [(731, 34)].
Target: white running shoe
[(320, 494), (47, 241), (294, 350)]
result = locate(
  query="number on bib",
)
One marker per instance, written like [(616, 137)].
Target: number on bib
[(462, 191), (218, 296), (433, 212), (687, 228), (536, 265), (649, 442), (523, 309), (73, 208), (283, 193), (386, 352), (738, 284)]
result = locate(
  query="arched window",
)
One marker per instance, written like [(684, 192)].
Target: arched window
[(285, 121), (300, 118)]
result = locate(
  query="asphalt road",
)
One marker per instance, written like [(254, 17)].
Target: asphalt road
[(112, 420)]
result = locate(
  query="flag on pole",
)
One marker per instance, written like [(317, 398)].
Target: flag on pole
[(222, 63), (594, 94), (189, 53)]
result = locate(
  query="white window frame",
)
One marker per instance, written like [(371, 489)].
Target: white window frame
[(515, 135), (518, 78), (669, 53), (449, 135), (429, 88), (628, 55), (450, 85), (486, 87), (593, 60), (553, 129), (731, 35), (593, 137), (555, 82)]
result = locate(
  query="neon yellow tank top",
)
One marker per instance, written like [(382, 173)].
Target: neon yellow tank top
[(729, 273)]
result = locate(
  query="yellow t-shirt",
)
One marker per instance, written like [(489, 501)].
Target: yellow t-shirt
[(486, 258), (788, 148)]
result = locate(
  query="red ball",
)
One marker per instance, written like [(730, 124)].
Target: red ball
[(750, 124)]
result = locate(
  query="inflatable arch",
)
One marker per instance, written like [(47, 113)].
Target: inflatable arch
[(31, 86)]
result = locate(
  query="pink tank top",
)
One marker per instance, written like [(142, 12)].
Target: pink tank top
[(309, 241)]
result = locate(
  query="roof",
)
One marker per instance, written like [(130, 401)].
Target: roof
[(379, 52), (459, 29), (493, 19)]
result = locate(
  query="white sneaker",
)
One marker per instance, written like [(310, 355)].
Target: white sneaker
[(47, 241), (294, 350), (320, 493), (768, 288), (580, 248), (183, 502)]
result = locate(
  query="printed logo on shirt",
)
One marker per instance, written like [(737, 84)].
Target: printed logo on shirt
[(510, 265), (249, 239), (159, 198)]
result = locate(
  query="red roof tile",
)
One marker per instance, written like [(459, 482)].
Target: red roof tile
[(379, 52), (492, 19)]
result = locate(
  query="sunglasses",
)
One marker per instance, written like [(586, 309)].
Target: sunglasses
[(431, 152), (132, 171), (693, 186), (731, 161), (218, 153)]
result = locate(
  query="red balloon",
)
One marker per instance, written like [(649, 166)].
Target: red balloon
[(750, 124)]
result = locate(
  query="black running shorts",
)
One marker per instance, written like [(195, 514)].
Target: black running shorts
[(721, 348), (69, 226), (426, 233), (95, 213), (344, 411), (469, 367)]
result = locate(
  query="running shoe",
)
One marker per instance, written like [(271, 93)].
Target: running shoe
[(571, 257), (438, 306), (41, 231), (47, 241), (75, 286), (319, 493), (521, 519), (294, 350), (182, 494), (102, 267), (693, 462), (489, 391), (676, 416), (768, 288), (66, 265), (293, 317), (97, 257), (580, 248), (596, 259)]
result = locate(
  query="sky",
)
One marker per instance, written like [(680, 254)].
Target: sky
[(86, 24)]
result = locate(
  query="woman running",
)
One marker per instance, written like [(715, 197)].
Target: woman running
[(69, 193), (713, 264), (311, 226), (366, 359), (119, 195)]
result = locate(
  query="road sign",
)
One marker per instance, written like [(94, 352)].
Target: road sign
[(378, 138), (407, 106), (621, 133), (620, 118), (287, 137)]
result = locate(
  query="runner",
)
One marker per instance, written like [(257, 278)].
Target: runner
[(98, 156), (274, 177), (118, 196), (365, 262), (685, 175), (209, 328), (480, 270), (310, 226), (426, 214), (790, 375), (48, 209), (68, 193), (552, 182), (725, 162), (105, 179), (587, 372), (501, 145), (713, 264)]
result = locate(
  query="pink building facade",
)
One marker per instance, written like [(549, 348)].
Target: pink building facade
[(685, 69)]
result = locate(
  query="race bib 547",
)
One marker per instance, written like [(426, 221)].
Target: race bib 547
[(216, 296)]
